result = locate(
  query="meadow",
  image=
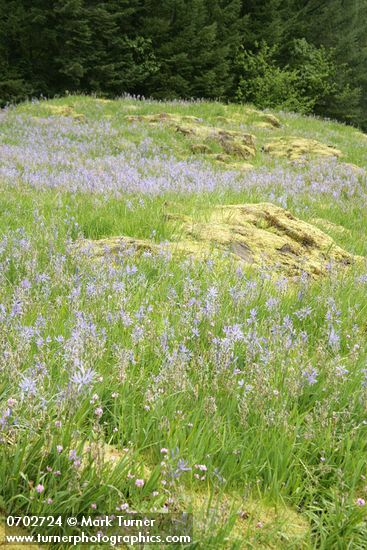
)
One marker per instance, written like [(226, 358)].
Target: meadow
[(149, 382)]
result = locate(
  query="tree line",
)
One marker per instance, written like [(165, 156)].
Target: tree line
[(308, 56)]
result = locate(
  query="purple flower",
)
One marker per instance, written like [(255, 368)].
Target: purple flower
[(334, 338), (83, 377), (98, 412), (28, 386), (182, 466), (310, 375)]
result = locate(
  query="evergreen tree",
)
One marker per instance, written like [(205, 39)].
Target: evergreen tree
[(195, 43), (12, 84), (340, 26), (301, 53), (73, 44), (264, 22)]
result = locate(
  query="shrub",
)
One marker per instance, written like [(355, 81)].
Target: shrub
[(300, 86)]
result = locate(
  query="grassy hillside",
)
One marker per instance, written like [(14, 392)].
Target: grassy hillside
[(228, 391)]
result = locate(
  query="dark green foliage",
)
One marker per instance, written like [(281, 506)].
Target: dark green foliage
[(311, 82), (195, 43), (56, 46), (304, 55), (340, 27), (265, 84)]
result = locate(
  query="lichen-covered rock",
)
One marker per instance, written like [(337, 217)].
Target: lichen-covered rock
[(119, 245), (200, 148), (65, 110), (157, 118), (272, 120), (284, 522), (266, 235), (295, 148), (261, 235), (239, 166), (235, 143), (222, 157), (237, 149), (264, 125), (219, 135)]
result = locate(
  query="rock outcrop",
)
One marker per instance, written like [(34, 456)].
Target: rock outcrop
[(240, 145), (67, 111), (271, 120), (261, 235), (294, 148)]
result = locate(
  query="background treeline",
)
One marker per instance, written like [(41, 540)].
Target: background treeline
[(301, 55)]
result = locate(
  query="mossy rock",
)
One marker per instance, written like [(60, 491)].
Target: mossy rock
[(119, 245), (262, 235), (157, 118), (235, 143), (200, 148), (222, 157), (264, 125), (237, 149), (67, 111), (239, 166), (271, 120), (295, 148), (266, 235)]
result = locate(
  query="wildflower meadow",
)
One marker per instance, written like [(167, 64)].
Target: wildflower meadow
[(154, 382)]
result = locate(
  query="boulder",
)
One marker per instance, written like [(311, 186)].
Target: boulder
[(239, 166)]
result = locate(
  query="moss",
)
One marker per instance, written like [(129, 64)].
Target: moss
[(256, 524), (237, 149), (295, 148), (65, 110), (262, 235), (264, 125), (272, 120), (235, 143), (200, 148)]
